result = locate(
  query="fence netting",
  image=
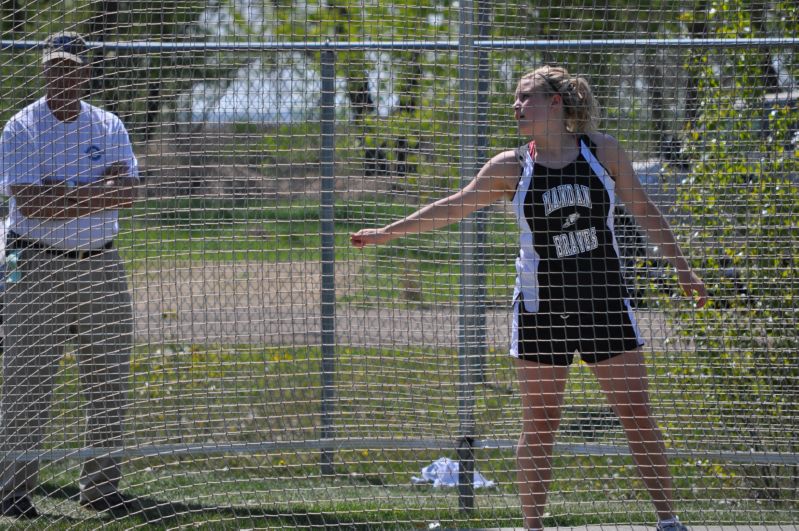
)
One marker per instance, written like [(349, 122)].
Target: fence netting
[(270, 374)]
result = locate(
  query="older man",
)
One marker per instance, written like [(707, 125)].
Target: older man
[(67, 167)]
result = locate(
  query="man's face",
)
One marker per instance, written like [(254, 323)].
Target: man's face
[(65, 79)]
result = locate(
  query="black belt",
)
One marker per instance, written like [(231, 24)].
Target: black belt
[(17, 242)]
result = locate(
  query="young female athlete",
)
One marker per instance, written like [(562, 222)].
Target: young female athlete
[(569, 293)]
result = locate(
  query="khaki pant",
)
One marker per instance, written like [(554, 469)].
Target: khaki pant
[(58, 299)]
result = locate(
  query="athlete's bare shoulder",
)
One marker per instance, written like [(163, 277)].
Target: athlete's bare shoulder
[(603, 141), (608, 150), (505, 164), (503, 171)]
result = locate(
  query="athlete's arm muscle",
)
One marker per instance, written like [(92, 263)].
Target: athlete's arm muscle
[(646, 213), (496, 180)]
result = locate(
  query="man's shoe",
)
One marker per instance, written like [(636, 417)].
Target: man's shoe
[(115, 503), (19, 507)]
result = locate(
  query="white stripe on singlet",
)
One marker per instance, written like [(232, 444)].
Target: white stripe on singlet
[(609, 184), (528, 260)]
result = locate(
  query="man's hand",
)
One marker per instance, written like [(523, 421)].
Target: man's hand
[(114, 171), (115, 189)]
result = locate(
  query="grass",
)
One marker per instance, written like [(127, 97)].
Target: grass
[(222, 230), (235, 494), (239, 393), (240, 496)]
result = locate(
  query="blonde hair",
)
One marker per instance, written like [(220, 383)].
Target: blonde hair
[(580, 109)]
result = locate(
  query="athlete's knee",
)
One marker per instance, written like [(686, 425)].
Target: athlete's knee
[(541, 427), (535, 446)]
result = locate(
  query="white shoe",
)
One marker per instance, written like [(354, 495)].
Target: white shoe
[(672, 526)]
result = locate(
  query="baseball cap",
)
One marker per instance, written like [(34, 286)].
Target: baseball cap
[(65, 45)]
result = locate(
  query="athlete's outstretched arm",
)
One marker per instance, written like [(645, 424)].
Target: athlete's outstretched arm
[(497, 179), (647, 214)]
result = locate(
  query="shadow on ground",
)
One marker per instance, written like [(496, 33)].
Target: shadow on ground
[(153, 511)]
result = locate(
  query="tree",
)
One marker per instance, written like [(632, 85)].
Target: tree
[(12, 17), (742, 200)]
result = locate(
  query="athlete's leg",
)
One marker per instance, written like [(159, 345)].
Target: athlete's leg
[(624, 382), (542, 387)]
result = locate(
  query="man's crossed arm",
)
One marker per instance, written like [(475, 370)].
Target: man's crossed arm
[(116, 189)]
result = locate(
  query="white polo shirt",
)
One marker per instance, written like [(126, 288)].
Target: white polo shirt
[(37, 148)]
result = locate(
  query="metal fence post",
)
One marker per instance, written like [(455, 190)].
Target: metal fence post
[(481, 216), (328, 281), (469, 292)]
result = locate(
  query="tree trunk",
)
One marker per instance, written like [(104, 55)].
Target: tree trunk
[(12, 17), (771, 78), (361, 102), (697, 29), (104, 25)]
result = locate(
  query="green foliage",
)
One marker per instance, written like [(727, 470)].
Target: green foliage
[(280, 146), (422, 116), (741, 198), (129, 83)]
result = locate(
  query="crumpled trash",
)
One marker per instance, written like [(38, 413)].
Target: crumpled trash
[(444, 473)]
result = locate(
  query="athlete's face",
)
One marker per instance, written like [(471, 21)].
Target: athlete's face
[(535, 107)]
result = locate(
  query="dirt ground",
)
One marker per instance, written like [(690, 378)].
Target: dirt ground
[(279, 304)]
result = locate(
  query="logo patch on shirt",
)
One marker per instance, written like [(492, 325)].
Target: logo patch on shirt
[(94, 152), (571, 220)]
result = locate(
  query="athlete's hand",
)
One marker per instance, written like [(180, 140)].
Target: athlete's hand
[(693, 286), (366, 237)]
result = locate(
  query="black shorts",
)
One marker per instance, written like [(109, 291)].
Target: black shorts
[(552, 337)]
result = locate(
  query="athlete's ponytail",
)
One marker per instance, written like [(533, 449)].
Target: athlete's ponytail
[(580, 109)]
